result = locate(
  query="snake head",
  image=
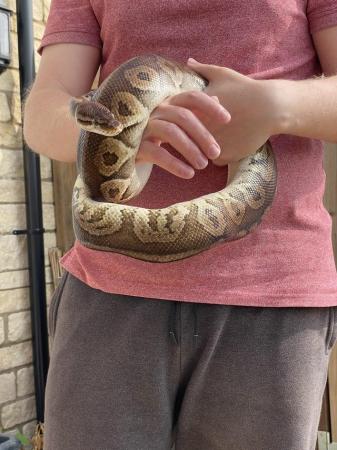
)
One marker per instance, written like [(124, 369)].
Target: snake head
[(94, 117)]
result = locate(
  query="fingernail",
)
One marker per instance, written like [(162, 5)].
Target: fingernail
[(192, 60), (214, 151), (202, 162), (189, 173), (225, 114)]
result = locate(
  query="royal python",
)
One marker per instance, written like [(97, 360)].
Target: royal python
[(112, 120)]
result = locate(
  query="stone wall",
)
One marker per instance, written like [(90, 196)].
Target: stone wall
[(17, 400)]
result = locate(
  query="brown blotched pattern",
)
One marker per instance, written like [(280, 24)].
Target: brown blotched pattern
[(108, 177)]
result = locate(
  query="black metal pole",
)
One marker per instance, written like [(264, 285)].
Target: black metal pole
[(34, 215)]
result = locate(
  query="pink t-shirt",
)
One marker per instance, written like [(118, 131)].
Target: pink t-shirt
[(288, 259)]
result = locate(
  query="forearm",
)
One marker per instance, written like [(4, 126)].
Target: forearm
[(306, 108), (49, 128)]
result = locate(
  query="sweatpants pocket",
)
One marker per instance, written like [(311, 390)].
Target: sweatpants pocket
[(54, 304)]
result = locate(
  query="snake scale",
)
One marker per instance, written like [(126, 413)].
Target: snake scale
[(112, 120)]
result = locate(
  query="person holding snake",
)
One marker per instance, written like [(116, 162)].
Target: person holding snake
[(198, 305)]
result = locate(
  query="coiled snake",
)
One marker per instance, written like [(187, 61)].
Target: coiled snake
[(113, 119)]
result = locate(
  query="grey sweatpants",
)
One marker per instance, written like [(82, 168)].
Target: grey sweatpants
[(129, 373)]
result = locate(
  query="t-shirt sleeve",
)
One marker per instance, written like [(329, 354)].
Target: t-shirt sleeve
[(321, 14), (71, 21)]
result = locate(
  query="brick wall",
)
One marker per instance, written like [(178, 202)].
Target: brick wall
[(17, 401)]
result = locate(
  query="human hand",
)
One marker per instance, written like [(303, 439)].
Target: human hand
[(252, 105), (176, 121)]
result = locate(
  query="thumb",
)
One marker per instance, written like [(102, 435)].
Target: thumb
[(209, 71)]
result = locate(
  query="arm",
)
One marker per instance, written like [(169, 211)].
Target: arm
[(65, 70), (310, 106), (262, 108), (68, 70)]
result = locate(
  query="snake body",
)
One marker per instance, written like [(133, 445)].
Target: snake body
[(113, 119)]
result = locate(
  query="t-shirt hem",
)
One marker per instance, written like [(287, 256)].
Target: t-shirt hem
[(323, 19), (237, 298), (70, 37)]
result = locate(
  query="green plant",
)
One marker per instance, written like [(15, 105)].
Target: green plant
[(23, 439)]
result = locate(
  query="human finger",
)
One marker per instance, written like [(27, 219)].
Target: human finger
[(169, 132), (193, 127), (154, 153), (199, 100)]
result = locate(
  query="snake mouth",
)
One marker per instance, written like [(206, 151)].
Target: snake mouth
[(113, 129)]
